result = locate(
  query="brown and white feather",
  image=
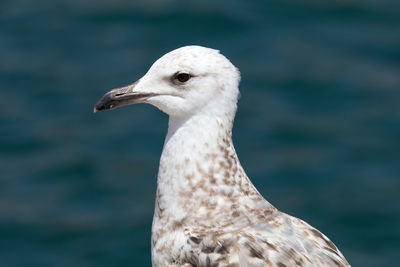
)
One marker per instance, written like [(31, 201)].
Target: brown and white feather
[(207, 212)]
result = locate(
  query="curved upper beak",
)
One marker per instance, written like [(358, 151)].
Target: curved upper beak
[(120, 97)]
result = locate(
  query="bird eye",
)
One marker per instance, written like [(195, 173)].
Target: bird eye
[(183, 77)]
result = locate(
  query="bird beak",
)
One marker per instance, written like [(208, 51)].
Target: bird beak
[(120, 97)]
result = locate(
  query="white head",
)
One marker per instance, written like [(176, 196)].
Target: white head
[(181, 83)]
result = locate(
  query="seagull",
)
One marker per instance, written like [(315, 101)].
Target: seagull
[(207, 211)]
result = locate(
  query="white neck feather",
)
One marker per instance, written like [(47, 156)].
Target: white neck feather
[(199, 170)]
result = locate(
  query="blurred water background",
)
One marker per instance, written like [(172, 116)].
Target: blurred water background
[(318, 126)]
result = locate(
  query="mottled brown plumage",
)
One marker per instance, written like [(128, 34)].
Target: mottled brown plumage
[(207, 212)]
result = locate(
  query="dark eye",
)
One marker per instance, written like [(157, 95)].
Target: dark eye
[(183, 77)]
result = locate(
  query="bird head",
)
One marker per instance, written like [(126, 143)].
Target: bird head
[(182, 82)]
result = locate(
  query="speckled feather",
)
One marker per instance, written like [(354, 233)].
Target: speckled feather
[(208, 213)]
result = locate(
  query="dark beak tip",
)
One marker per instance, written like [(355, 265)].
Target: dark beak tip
[(101, 107), (104, 103), (98, 107), (116, 98)]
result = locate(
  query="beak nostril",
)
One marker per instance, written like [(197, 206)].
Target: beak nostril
[(119, 94)]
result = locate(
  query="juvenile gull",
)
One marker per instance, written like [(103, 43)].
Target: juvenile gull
[(207, 212)]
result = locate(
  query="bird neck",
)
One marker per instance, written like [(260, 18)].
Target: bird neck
[(199, 169)]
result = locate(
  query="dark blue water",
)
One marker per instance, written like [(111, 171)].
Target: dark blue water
[(318, 126)]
